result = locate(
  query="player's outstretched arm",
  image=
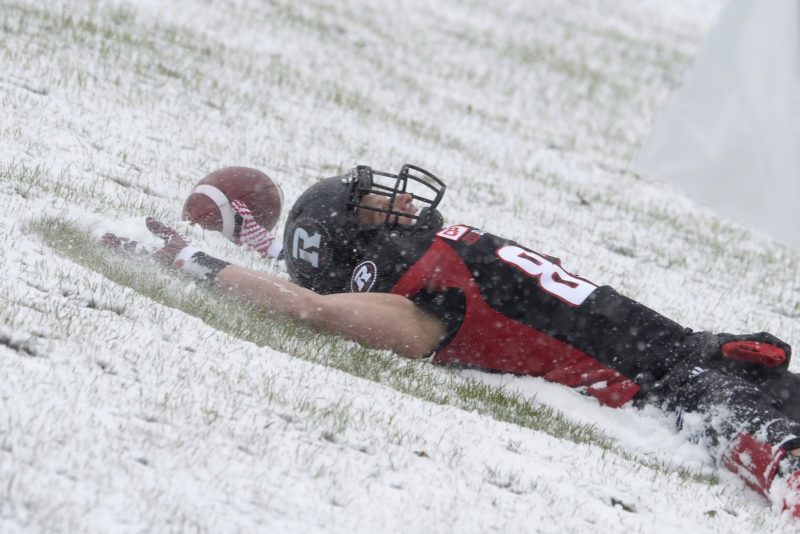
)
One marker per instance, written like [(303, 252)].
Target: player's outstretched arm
[(376, 320)]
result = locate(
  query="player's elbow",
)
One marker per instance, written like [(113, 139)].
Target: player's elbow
[(414, 336), (385, 322), (414, 348)]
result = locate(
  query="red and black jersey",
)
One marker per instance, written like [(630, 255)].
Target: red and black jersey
[(511, 309)]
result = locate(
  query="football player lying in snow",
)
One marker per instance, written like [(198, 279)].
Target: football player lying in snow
[(368, 264)]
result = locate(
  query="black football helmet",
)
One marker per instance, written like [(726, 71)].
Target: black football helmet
[(323, 240)]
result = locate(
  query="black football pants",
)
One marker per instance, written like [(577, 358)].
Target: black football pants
[(732, 398)]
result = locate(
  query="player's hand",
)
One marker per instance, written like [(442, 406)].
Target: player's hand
[(176, 253), (174, 242), (252, 235), (126, 246)]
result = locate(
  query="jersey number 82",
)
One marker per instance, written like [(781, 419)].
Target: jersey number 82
[(552, 278)]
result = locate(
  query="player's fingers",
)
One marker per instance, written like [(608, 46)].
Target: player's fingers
[(120, 244), (159, 229), (170, 235), (111, 240)]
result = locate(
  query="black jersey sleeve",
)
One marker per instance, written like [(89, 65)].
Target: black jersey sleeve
[(449, 306)]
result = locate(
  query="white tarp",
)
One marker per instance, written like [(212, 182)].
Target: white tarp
[(730, 137)]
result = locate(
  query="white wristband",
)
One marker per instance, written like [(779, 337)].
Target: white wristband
[(197, 264), (183, 257), (275, 248)]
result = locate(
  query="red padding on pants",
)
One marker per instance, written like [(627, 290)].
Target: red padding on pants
[(754, 352)]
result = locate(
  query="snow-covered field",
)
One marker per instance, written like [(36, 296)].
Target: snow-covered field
[(118, 413)]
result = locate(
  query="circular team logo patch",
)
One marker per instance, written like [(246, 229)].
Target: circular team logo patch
[(364, 276)]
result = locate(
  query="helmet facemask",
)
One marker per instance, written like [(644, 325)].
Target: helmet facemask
[(426, 192)]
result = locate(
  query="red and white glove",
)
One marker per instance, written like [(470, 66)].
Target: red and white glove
[(254, 236), (126, 246), (174, 243), (176, 252)]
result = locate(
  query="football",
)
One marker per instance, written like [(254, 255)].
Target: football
[(209, 206)]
